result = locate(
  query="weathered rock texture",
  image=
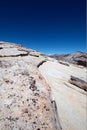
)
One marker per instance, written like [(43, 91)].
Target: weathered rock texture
[(25, 97), (35, 93)]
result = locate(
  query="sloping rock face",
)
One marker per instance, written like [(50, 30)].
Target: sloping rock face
[(78, 58), (25, 97), (71, 99), (36, 92)]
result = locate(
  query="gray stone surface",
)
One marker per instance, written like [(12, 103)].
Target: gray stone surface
[(35, 93), (25, 97), (71, 100)]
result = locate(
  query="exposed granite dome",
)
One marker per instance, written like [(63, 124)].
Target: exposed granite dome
[(36, 92)]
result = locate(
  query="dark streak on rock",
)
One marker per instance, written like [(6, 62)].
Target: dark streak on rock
[(63, 63), (56, 116), (41, 63), (78, 82), (1, 48), (1, 56)]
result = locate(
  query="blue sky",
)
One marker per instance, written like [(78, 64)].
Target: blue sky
[(49, 26)]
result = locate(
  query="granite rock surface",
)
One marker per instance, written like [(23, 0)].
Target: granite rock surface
[(35, 92)]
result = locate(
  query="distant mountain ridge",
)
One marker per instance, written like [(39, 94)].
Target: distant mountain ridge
[(79, 58)]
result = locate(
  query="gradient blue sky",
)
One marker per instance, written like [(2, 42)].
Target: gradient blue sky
[(49, 26)]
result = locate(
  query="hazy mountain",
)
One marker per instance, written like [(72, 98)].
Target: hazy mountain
[(40, 93), (79, 58)]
